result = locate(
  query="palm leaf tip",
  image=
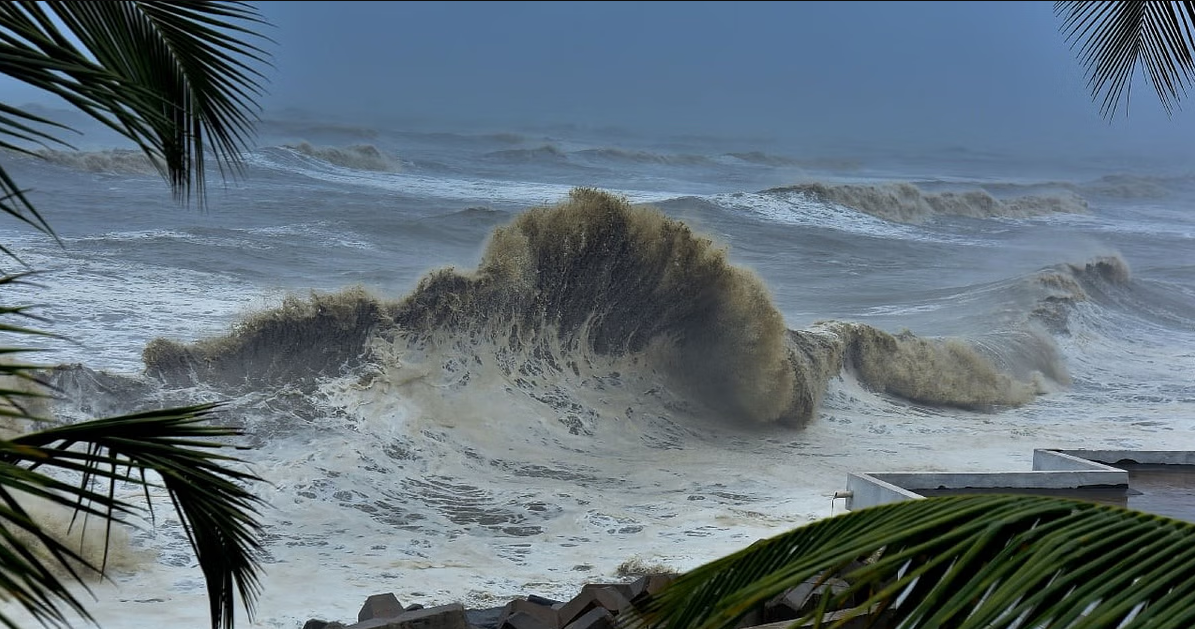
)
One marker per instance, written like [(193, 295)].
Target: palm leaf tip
[(1113, 39)]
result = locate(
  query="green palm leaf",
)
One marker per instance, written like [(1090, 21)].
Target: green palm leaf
[(1114, 39), (218, 512), (20, 382), (983, 561), (78, 467), (179, 79)]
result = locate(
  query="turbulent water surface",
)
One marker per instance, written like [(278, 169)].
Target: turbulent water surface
[(477, 365)]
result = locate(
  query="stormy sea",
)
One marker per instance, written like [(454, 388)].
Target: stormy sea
[(475, 364)]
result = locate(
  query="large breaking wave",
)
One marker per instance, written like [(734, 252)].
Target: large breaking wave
[(583, 294)]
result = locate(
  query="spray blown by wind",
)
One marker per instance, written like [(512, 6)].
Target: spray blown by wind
[(588, 284)]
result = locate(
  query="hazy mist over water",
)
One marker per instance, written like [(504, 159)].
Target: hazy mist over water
[(832, 75), (825, 77), (826, 238)]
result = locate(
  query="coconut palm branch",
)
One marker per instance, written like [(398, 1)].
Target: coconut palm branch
[(20, 382), (79, 467), (174, 450), (179, 79), (980, 561), (1114, 38)]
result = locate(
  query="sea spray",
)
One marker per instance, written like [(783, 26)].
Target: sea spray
[(294, 344), (578, 291), (1111, 269), (938, 372), (101, 549), (606, 277), (816, 356), (1065, 285)]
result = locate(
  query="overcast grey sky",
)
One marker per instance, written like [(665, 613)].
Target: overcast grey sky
[(978, 74), (971, 73)]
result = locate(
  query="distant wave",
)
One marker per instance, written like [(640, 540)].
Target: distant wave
[(1068, 284), (357, 156), (460, 225), (572, 290), (1116, 186), (114, 161), (642, 157), (545, 153), (1006, 189), (906, 203), (934, 371), (768, 159)]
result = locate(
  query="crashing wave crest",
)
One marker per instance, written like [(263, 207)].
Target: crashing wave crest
[(563, 288), (1068, 284)]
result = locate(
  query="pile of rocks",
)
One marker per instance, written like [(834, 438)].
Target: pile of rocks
[(597, 606)]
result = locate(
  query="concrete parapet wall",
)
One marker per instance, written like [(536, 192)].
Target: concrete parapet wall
[(1070, 479), (1053, 470), (1060, 461), (865, 490), (1143, 457)]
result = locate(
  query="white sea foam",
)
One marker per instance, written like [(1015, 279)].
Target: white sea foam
[(476, 190), (108, 310), (680, 507)]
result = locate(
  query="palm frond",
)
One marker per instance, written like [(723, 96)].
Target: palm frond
[(173, 449), (1115, 38), (982, 561), (195, 71), (24, 574), (21, 382), (180, 79)]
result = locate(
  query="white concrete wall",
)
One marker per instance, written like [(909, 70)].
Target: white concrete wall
[(1145, 457), (865, 490), (1052, 470), (1056, 461)]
